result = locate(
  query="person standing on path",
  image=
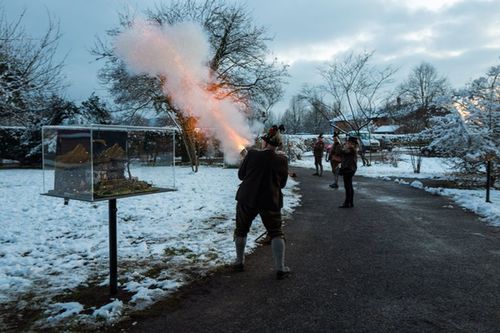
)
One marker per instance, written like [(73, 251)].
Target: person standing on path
[(263, 174), (362, 153), (348, 169), (318, 149), (334, 156)]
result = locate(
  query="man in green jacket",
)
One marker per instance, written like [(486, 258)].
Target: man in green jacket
[(263, 174)]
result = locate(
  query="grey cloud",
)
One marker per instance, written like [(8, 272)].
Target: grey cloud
[(312, 21), (296, 24)]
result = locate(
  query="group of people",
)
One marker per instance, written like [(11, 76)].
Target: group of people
[(343, 160), (263, 173)]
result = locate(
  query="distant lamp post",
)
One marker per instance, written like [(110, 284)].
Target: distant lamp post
[(489, 158), (488, 178)]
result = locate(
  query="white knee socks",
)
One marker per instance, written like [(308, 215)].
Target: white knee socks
[(278, 248), (240, 243)]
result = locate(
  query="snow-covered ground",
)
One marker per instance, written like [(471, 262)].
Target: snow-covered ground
[(48, 249), (432, 167)]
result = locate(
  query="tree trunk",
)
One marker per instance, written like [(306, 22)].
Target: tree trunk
[(488, 180), (187, 125), (416, 158)]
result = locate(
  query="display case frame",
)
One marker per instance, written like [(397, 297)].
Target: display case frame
[(81, 163)]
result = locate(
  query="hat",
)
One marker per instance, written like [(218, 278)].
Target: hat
[(272, 131), (273, 140), (353, 139)]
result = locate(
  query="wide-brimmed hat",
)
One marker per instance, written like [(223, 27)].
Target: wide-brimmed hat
[(273, 140)]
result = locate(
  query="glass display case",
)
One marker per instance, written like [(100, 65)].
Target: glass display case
[(102, 162)]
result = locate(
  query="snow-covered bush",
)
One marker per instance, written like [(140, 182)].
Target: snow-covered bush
[(471, 131), (296, 145)]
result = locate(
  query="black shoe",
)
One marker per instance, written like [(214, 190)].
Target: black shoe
[(280, 275), (315, 174), (238, 267), (345, 206), (333, 185)]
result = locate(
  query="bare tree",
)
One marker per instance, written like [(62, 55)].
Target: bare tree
[(423, 86), (29, 73), (418, 96), (30, 82), (317, 118), (356, 87), (264, 103), (320, 114), (292, 118), (270, 119), (239, 62)]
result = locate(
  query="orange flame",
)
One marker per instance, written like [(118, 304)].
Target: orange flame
[(239, 142)]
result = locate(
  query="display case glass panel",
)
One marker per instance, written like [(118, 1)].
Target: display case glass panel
[(104, 162)]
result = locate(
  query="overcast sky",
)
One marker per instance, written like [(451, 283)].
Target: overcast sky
[(461, 38)]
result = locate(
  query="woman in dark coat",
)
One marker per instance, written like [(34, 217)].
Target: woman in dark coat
[(335, 157), (348, 169)]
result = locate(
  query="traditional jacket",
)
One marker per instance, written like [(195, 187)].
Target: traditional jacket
[(335, 151), (349, 160), (319, 148), (263, 173)]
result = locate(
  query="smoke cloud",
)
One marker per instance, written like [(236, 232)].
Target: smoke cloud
[(180, 54)]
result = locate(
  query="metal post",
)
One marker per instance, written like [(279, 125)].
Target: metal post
[(173, 166), (112, 248), (92, 161), (488, 180), (43, 160)]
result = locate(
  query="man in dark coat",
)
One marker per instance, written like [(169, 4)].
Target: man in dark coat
[(348, 169), (318, 150), (263, 174)]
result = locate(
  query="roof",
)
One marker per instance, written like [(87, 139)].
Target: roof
[(12, 127), (386, 129), (349, 117)]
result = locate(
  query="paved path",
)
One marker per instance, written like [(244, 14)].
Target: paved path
[(402, 260)]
